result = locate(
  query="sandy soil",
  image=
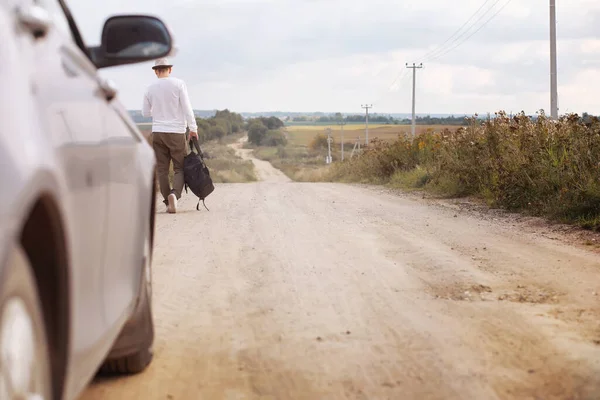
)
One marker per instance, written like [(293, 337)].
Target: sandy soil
[(327, 291)]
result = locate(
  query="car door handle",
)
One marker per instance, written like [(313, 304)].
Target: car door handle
[(35, 19)]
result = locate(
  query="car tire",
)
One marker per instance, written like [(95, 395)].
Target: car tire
[(139, 331), (25, 371), (133, 364)]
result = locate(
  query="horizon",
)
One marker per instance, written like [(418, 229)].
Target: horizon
[(371, 114)]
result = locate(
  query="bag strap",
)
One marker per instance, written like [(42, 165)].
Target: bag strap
[(195, 145), (198, 205)]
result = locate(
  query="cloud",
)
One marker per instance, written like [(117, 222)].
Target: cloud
[(332, 55)]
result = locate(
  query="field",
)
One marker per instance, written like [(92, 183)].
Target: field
[(302, 163), (302, 135)]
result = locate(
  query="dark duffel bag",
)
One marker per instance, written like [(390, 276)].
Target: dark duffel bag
[(196, 174)]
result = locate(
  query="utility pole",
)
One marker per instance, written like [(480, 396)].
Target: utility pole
[(356, 147), (553, 67), (328, 161), (366, 107), (414, 67), (342, 123)]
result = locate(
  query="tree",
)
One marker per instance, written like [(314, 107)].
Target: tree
[(203, 130), (276, 123), (274, 138), (256, 132), (217, 132)]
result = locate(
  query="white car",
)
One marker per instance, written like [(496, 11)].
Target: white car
[(76, 203)]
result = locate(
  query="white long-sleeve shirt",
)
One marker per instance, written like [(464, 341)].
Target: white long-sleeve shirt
[(167, 102)]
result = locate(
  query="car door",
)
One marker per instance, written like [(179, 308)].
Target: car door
[(127, 217), (70, 103)]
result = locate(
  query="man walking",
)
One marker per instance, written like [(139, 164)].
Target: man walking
[(167, 102)]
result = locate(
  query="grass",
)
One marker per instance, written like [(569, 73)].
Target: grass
[(414, 179)]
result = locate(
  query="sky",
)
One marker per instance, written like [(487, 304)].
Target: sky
[(336, 55)]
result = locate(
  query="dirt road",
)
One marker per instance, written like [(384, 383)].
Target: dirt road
[(264, 170), (324, 291)]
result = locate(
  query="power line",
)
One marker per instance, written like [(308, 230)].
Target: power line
[(403, 73), (428, 58), (472, 34), (432, 56), (401, 78), (458, 30)]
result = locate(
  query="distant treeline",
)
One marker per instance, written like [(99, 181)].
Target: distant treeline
[(420, 120), (381, 120), (225, 122)]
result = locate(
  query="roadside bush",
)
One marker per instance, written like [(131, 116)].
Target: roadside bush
[(256, 132), (273, 138), (281, 152), (217, 132), (545, 167), (319, 142)]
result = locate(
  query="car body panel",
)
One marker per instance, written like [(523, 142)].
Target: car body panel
[(61, 138)]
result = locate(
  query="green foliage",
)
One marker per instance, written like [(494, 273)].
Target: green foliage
[(271, 123), (256, 132), (545, 167), (415, 178), (223, 123), (264, 131), (274, 138), (217, 132)]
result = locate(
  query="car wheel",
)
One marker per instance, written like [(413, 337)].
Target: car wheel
[(24, 359), (139, 331)]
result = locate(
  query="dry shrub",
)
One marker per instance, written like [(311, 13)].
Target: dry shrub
[(546, 167), (319, 142)]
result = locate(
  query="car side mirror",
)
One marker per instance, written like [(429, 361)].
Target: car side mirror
[(129, 39)]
